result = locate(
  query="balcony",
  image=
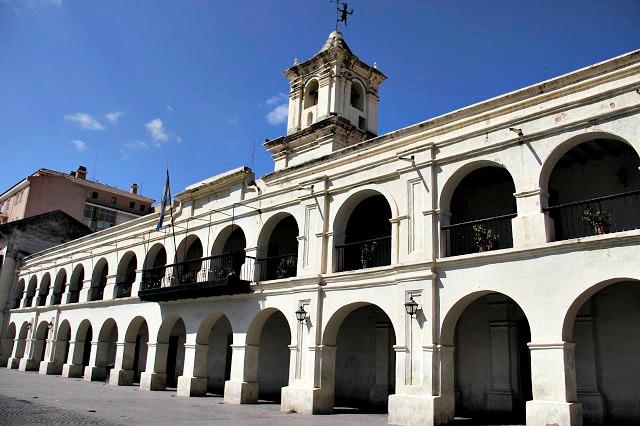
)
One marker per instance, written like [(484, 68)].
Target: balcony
[(124, 289), (223, 274), (613, 213), (277, 267), (363, 254), (470, 237)]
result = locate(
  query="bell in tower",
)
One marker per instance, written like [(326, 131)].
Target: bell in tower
[(333, 103)]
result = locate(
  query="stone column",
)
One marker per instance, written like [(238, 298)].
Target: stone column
[(122, 373), (242, 387), (74, 367), (96, 370), (109, 292), (379, 392), (430, 400), (135, 287), (154, 378), (84, 293), (531, 226), (48, 364), (553, 378), (502, 399), (27, 363), (587, 382), (18, 351), (193, 381)]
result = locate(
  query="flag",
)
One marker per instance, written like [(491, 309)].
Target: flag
[(166, 199)]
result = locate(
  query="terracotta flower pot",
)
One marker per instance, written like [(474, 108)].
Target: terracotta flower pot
[(602, 229), (485, 246)]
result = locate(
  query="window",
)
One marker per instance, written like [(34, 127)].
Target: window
[(98, 218), (357, 96), (311, 94), (114, 200), (94, 195), (362, 123), (132, 205), (142, 207), (88, 211)]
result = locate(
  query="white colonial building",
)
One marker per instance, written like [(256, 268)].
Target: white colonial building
[(512, 224)]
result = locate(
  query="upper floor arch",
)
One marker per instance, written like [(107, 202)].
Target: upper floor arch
[(99, 279), (277, 249)]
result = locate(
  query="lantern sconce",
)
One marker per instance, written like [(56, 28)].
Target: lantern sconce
[(411, 307), (301, 314), (50, 325)]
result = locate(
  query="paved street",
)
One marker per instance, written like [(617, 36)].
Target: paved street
[(31, 398)]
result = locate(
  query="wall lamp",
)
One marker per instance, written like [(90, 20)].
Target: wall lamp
[(409, 159), (50, 325), (411, 307), (516, 131), (301, 314)]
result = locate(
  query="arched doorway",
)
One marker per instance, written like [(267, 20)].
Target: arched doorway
[(21, 344), (278, 248), (594, 188), (75, 284), (43, 292), (364, 370), (173, 334), (39, 344), (62, 346), (154, 267), (105, 351), (606, 352), (79, 351), (363, 232), (59, 286), (99, 280), (477, 211), (271, 334), (492, 377), (138, 335), (126, 275), (212, 358), (7, 344)]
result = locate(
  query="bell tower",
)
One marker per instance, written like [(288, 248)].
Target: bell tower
[(333, 103)]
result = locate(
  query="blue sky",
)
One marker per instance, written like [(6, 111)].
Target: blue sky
[(132, 85)]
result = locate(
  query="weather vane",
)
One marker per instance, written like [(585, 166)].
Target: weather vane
[(341, 14)]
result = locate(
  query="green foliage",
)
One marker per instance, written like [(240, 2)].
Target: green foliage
[(484, 237), (368, 251), (596, 218), (287, 267)]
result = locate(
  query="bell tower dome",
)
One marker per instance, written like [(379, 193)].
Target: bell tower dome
[(333, 103)]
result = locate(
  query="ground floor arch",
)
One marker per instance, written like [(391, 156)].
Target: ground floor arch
[(8, 343), (491, 376), (362, 376), (79, 351), (604, 324)]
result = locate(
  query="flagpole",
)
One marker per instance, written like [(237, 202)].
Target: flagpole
[(173, 228)]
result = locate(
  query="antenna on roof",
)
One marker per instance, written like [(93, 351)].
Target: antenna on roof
[(95, 166)]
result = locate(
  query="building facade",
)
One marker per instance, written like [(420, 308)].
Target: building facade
[(95, 204), (478, 264)]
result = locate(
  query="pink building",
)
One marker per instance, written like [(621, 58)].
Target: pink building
[(95, 204)]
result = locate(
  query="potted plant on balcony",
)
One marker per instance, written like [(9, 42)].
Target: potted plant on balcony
[(600, 220), (367, 253), (484, 237), (286, 267)]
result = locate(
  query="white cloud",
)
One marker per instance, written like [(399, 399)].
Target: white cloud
[(276, 99), (278, 115), (136, 145), (233, 120), (84, 120), (169, 108), (80, 145), (157, 131), (113, 117)]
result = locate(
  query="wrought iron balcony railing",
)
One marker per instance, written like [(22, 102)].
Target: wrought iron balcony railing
[(363, 254), (57, 296), (42, 298), (96, 293), (621, 212), (202, 270), (462, 238), (277, 267), (74, 296)]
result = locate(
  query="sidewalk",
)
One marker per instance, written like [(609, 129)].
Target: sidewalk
[(31, 398)]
